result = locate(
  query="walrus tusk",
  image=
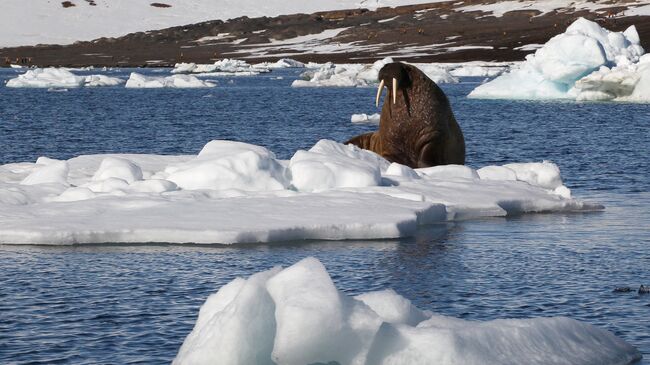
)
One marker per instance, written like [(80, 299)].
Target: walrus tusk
[(394, 90), (381, 88)]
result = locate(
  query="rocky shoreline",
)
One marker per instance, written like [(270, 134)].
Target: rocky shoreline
[(434, 32)]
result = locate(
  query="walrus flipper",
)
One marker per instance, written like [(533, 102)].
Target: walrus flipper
[(367, 141)]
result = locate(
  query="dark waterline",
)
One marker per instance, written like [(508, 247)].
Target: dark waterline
[(136, 303)]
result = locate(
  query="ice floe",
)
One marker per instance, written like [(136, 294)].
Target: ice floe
[(233, 192), (297, 316), (221, 67), (281, 63), (365, 118), (586, 62), (360, 75), (59, 78), (139, 81)]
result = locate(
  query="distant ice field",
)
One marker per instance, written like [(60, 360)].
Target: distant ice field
[(122, 301)]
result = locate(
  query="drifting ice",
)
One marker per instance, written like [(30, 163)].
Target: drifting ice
[(224, 67), (139, 81), (60, 78), (233, 192), (586, 62), (297, 316), (365, 118), (358, 75)]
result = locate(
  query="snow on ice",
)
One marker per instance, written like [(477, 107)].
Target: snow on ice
[(233, 192), (60, 78), (297, 316), (139, 81), (586, 62)]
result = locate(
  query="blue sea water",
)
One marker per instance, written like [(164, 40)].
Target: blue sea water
[(128, 304)]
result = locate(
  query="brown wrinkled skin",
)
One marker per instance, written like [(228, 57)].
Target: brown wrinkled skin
[(419, 130)]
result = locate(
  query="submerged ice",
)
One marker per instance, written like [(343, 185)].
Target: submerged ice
[(233, 192), (586, 62), (297, 316)]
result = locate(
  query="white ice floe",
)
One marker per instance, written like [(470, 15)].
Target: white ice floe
[(59, 78), (102, 80), (233, 192), (360, 75), (586, 62), (221, 68), (476, 68), (297, 316), (365, 118), (281, 63), (139, 81)]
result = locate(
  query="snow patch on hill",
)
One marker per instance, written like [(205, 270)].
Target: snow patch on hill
[(24, 23)]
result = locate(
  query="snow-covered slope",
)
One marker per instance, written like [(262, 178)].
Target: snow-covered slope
[(39, 21), (43, 21)]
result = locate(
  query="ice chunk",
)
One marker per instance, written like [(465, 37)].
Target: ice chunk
[(225, 165), (281, 63), (393, 308), (626, 82), (396, 169), (52, 171), (448, 172), (330, 165), (102, 80), (120, 168), (305, 300), (297, 316), (365, 118), (137, 80), (225, 67), (243, 312), (47, 78), (59, 78), (359, 75), (586, 62), (544, 174), (543, 341), (496, 173)]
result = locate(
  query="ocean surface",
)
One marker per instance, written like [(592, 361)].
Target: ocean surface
[(126, 304)]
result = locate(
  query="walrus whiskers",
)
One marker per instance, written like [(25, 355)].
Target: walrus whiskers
[(379, 91), (394, 90)]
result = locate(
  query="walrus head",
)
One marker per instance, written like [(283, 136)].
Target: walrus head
[(395, 76)]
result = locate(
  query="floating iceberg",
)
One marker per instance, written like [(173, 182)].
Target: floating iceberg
[(365, 118), (60, 78), (359, 75), (102, 80), (221, 67), (233, 192), (281, 63), (139, 81), (297, 316), (476, 68), (586, 62)]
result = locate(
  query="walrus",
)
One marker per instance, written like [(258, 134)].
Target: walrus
[(417, 127)]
